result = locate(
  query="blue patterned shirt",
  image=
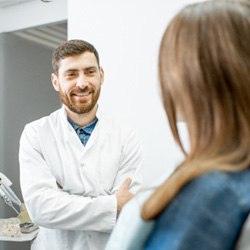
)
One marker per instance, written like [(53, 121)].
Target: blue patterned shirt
[(83, 132)]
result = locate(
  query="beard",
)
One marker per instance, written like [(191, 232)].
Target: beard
[(77, 106)]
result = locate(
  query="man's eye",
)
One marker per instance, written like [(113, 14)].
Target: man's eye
[(91, 72), (70, 74)]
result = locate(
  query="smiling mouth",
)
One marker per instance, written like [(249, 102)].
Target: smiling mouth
[(82, 94)]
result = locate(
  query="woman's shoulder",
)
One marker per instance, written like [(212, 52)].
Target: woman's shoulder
[(206, 214), (220, 183), (214, 193)]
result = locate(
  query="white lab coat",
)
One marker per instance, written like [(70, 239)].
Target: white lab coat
[(81, 214)]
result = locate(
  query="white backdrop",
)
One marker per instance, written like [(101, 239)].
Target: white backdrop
[(127, 35)]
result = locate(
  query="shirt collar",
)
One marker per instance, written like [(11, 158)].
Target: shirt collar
[(65, 117), (87, 129)]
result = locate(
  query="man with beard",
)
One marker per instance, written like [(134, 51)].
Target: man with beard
[(78, 168)]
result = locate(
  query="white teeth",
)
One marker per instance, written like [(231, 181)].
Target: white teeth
[(83, 94)]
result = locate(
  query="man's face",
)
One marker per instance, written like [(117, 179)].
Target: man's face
[(79, 82)]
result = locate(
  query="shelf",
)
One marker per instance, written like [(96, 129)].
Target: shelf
[(22, 237)]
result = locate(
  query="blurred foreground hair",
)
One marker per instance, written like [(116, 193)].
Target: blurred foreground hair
[(204, 65)]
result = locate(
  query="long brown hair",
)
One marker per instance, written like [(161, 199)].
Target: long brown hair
[(204, 67)]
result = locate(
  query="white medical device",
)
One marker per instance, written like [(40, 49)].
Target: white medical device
[(14, 202), (8, 195)]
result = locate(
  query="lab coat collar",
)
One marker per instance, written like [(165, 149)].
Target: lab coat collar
[(68, 129)]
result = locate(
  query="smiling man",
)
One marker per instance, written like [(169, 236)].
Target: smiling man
[(78, 168), (79, 81)]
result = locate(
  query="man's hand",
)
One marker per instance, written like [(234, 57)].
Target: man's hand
[(123, 195)]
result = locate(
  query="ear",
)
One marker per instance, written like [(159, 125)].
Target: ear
[(55, 82), (102, 75)]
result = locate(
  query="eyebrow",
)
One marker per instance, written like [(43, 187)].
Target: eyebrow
[(91, 67), (85, 69), (70, 70)]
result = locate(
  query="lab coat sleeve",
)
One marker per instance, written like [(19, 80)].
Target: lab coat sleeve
[(51, 207), (130, 164)]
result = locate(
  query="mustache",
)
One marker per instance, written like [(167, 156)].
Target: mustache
[(81, 91)]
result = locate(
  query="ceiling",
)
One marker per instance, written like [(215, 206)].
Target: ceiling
[(50, 35), (7, 3)]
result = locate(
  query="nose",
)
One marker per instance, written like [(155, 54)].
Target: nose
[(81, 81)]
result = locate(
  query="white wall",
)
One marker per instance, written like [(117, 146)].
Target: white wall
[(31, 14), (127, 35)]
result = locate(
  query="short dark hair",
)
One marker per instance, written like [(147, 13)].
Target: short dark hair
[(71, 48)]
